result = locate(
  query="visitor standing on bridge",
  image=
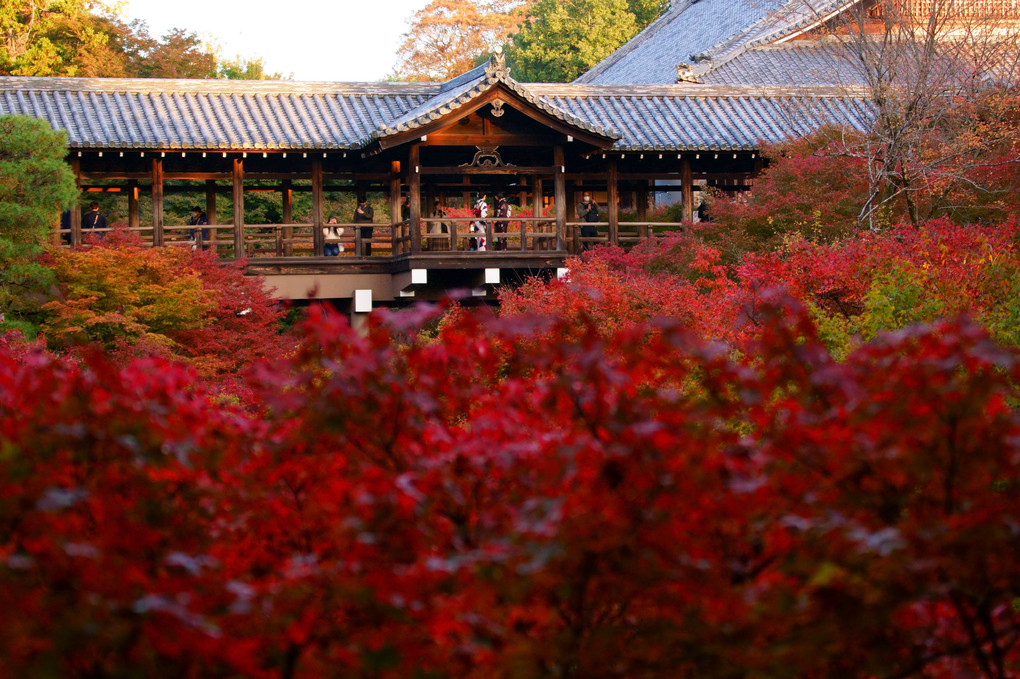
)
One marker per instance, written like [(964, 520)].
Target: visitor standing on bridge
[(94, 220), (502, 213), (198, 236), (588, 212), (364, 214), (331, 235), (437, 227), (481, 213)]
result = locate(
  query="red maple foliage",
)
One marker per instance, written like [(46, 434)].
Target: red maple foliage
[(176, 301), (626, 502)]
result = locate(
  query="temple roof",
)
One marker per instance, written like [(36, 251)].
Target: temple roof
[(706, 33), (244, 115)]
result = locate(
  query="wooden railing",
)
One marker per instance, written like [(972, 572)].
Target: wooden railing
[(523, 234), (438, 234)]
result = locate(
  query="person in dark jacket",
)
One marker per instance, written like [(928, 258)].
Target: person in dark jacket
[(502, 213), (588, 211), (364, 214), (93, 219), (198, 218)]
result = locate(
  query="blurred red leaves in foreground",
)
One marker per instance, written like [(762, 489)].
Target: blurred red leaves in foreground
[(626, 501)]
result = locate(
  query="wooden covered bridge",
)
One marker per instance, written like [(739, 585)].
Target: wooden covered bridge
[(162, 144)]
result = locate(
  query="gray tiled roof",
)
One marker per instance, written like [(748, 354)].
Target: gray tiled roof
[(707, 33), (803, 63), (703, 117), (170, 114), (204, 114), (687, 28)]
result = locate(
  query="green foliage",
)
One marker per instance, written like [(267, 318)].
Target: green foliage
[(561, 40), (239, 68), (35, 185), (82, 38), (896, 299), (41, 37), (35, 181)]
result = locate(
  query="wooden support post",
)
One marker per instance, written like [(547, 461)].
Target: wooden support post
[(414, 193), (133, 218), (157, 202), (318, 239), (395, 216), (641, 205), (287, 199), (687, 190), (238, 177), (522, 201), (613, 202), (536, 210), (76, 208), (560, 197), (210, 210)]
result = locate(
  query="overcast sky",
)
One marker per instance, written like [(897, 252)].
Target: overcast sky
[(338, 40)]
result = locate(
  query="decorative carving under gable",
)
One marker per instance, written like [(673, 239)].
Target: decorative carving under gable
[(497, 108), (487, 156)]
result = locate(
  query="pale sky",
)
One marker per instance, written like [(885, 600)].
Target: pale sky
[(338, 40)]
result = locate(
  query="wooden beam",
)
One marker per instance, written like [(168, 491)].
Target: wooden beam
[(560, 197), (317, 237), (687, 190), (613, 202), (508, 169), (238, 198), (197, 176), (414, 193), (464, 139), (157, 201)]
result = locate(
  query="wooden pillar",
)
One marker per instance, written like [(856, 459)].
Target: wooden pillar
[(641, 206), (238, 177), (133, 219), (76, 207), (560, 197), (317, 238), (210, 201), (537, 207), (687, 190), (395, 217), (414, 193), (210, 210), (157, 201), (287, 199), (613, 202)]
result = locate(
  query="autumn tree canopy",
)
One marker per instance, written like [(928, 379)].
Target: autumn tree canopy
[(561, 40), (84, 38), (448, 37)]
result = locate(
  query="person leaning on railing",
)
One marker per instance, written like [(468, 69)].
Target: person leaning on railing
[(331, 234), (364, 214), (588, 211)]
